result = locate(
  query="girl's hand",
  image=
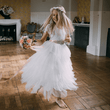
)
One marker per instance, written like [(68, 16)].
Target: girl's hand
[(31, 48), (68, 39)]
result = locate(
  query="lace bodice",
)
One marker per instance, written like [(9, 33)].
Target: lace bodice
[(57, 34)]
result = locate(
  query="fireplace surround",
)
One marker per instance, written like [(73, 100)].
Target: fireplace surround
[(16, 22)]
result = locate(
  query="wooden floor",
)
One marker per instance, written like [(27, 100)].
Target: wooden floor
[(92, 73)]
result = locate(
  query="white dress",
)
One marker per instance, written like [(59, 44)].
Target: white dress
[(50, 68)]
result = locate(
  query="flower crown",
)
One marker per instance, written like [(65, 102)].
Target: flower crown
[(61, 8)]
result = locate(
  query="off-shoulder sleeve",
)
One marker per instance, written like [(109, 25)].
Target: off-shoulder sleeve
[(47, 28)]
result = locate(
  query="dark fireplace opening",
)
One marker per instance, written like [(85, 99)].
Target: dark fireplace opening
[(108, 44), (81, 37), (7, 33)]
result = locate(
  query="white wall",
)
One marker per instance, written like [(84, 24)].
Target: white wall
[(99, 24), (40, 6), (105, 24), (41, 10), (93, 33)]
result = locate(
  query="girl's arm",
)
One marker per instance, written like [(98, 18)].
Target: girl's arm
[(39, 42), (44, 37)]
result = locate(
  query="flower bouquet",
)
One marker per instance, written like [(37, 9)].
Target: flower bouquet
[(25, 42)]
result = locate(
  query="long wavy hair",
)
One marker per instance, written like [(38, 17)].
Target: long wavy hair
[(63, 21)]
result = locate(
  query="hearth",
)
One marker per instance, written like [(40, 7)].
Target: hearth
[(7, 33)]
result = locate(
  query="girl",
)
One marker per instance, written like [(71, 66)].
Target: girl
[(51, 67)]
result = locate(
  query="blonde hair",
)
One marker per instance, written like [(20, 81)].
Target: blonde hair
[(63, 20)]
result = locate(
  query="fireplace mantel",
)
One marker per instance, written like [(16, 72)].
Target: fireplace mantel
[(11, 22)]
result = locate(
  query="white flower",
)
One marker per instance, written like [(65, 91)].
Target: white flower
[(61, 8)]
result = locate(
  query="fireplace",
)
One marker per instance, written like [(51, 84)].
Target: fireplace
[(7, 33), (10, 29), (81, 35), (108, 44)]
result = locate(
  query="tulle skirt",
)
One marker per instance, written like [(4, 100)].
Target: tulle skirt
[(51, 69)]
